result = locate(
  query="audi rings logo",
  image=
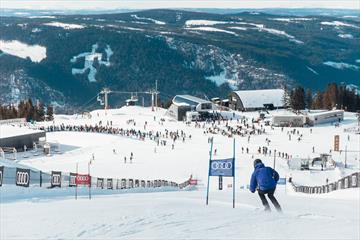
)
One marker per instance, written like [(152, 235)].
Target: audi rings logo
[(55, 179), (72, 181), (109, 184), (100, 183), (83, 178), (221, 165), (22, 177)]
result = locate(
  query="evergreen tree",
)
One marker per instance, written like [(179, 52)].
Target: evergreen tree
[(326, 101), (286, 97), (317, 103), (40, 112), (309, 99), (50, 113), (298, 99)]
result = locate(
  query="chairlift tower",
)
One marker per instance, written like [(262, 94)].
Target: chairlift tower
[(134, 96), (104, 102)]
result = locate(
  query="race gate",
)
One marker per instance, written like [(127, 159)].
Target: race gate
[(221, 168)]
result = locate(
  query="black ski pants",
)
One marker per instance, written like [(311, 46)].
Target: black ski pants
[(270, 194)]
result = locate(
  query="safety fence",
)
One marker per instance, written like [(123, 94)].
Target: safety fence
[(351, 181), (23, 177)]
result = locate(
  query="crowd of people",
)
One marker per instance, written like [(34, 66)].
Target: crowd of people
[(161, 138)]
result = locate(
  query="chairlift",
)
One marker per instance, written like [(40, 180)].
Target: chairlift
[(100, 100)]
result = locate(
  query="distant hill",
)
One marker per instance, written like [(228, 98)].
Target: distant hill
[(67, 59)]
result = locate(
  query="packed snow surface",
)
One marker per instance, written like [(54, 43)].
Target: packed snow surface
[(346, 35), (148, 19), (42, 16), (296, 19), (222, 78), (35, 52), (54, 213), (210, 29), (341, 65), (90, 57), (203, 22), (179, 215), (10, 130), (64, 25), (339, 24), (238, 28), (312, 70), (262, 28)]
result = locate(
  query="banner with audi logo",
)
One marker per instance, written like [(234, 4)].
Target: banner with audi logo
[(1, 175), (22, 177), (109, 183), (55, 179), (100, 183), (222, 167), (83, 179), (72, 181)]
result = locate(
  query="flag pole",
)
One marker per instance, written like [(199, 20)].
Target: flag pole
[(89, 180), (76, 187), (208, 182), (234, 175)]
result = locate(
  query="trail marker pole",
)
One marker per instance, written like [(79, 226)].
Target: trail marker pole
[(234, 177), (221, 168), (207, 189), (89, 180), (76, 187)]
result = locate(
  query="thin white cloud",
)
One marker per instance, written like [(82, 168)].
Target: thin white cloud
[(151, 4)]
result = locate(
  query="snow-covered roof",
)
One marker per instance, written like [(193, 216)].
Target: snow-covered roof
[(191, 100), (12, 131), (257, 98)]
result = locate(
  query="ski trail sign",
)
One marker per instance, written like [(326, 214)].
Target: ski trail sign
[(221, 168)]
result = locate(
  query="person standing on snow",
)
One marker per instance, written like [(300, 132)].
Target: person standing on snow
[(264, 179)]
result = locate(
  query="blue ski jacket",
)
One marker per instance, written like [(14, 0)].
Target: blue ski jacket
[(264, 177)]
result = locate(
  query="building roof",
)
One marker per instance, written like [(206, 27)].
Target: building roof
[(8, 130), (188, 99), (257, 98)]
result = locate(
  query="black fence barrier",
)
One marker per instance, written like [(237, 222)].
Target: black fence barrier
[(109, 183), (100, 183), (123, 183), (351, 181), (55, 179), (23, 177), (72, 180)]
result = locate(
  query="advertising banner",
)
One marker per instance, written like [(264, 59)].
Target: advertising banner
[(83, 179), (22, 177), (100, 183), (72, 180), (55, 179), (222, 167), (109, 183)]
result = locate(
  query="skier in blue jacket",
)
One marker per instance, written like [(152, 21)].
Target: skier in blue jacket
[(264, 179)]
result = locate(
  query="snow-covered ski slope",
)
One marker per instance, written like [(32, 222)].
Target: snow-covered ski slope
[(55, 214)]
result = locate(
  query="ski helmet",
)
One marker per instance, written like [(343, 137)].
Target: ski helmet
[(256, 161)]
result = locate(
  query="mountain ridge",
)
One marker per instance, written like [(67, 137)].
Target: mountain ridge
[(187, 52)]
